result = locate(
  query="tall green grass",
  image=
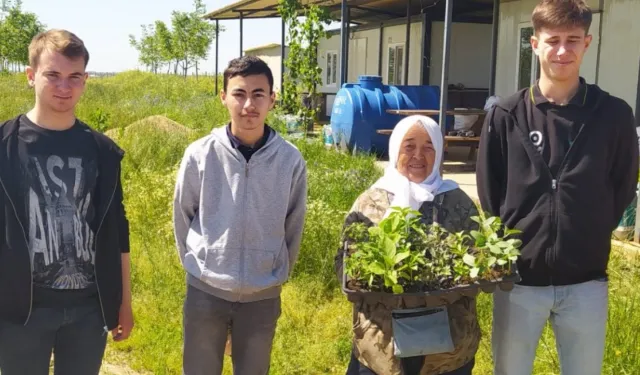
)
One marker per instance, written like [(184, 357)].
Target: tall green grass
[(313, 335)]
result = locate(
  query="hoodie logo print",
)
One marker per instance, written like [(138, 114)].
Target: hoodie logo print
[(537, 140)]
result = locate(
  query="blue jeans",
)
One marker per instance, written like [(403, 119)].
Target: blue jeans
[(76, 336), (578, 315)]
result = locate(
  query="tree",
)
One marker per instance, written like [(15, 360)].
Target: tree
[(150, 53), (18, 28), (192, 36), (183, 46), (7, 5), (164, 42), (303, 74), (181, 40), (204, 33)]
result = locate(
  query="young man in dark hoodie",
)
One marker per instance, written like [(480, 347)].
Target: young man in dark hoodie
[(558, 161), (64, 242), (239, 210)]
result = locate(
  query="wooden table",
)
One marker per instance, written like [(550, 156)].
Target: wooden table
[(435, 112)]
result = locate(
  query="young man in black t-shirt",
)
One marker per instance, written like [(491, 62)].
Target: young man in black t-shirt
[(64, 262), (559, 162)]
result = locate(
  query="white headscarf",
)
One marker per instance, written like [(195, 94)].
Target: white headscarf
[(407, 193)]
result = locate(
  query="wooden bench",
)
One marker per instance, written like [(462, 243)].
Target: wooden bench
[(472, 142)]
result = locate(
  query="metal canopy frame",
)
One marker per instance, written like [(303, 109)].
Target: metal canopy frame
[(444, 81), (636, 234), (376, 12), (494, 47)]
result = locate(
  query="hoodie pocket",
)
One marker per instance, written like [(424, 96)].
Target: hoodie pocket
[(259, 270), (222, 268)]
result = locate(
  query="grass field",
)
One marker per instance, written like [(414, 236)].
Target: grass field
[(313, 335)]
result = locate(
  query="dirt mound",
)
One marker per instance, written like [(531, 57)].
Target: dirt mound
[(156, 122)]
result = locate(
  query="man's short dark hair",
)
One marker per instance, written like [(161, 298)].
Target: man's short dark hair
[(561, 14), (247, 66)]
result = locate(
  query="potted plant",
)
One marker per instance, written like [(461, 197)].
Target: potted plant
[(402, 256)]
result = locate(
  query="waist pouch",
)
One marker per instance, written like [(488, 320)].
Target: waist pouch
[(421, 331)]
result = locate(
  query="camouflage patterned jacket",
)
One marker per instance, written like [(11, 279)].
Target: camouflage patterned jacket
[(372, 327)]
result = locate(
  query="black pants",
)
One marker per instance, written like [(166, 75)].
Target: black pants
[(76, 336), (410, 366)]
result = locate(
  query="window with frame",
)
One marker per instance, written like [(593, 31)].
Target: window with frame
[(331, 76), (527, 60), (395, 66)]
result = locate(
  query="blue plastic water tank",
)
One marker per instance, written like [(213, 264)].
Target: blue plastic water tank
[(359, 110)]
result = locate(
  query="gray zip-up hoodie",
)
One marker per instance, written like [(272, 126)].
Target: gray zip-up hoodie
[(238, 224)]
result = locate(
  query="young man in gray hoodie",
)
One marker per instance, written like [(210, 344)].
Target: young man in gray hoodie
[(239, 209)]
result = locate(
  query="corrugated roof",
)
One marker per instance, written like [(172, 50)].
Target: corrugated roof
[(269, 8), (362, 11), (257, 9)]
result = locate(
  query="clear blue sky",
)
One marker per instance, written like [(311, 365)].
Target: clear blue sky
[(105, 27)]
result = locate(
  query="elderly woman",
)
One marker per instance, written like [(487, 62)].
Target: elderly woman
[(413, 179)]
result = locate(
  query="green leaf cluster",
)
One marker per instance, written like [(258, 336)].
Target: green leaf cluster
[(302, 75), (492, 248), (401, 254)]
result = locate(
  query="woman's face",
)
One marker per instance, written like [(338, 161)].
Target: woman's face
[(417, 154)]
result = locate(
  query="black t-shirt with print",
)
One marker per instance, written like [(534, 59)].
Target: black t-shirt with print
[(60, 171)]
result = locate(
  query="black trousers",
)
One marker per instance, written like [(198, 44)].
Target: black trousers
[(75, 336)]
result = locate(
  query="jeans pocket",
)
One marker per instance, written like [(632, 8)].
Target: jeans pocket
[(421, 331)]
